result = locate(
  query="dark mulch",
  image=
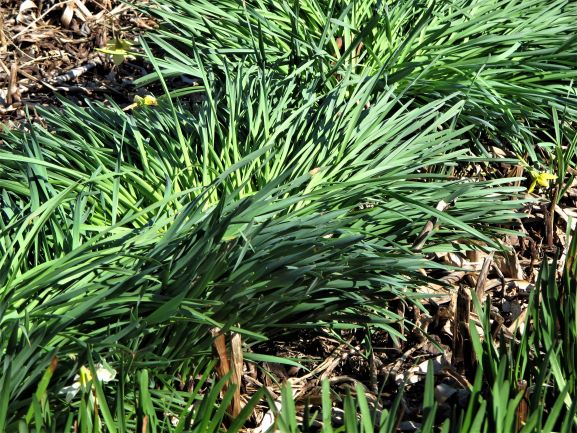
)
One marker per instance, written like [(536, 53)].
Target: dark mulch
[(48, 48)]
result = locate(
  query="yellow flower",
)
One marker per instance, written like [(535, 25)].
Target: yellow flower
[(104, 373), (118, 49), (140, 102), (85, 375), (540, 178), (147, 100)]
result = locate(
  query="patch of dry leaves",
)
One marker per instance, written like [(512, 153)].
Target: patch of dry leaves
[(49, 46)]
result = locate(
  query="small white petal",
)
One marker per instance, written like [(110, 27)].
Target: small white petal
[(105, 373), (70, 391)]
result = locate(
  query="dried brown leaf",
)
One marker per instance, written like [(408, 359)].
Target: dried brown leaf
[(67, 15)]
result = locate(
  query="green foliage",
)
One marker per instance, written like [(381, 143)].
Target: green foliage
[(287, 191), (509, 61), (115, 243)]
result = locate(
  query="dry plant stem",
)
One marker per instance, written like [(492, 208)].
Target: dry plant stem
[(429, 227), (501, 277), (13, 93), (373, 374), (497, 325), (461, 380), (401, 324), (523, 408), (82, 7), (219, 343), (110, 14), (518, 324), (35, 60), (144, 428), (482, 279), (395, 368), (461, 325), (329, 363), (237, 362), (4, 67), (3, 41), (33, 78), (224, 366)]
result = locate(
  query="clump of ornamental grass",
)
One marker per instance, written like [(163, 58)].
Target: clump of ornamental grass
[(264, 204)]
